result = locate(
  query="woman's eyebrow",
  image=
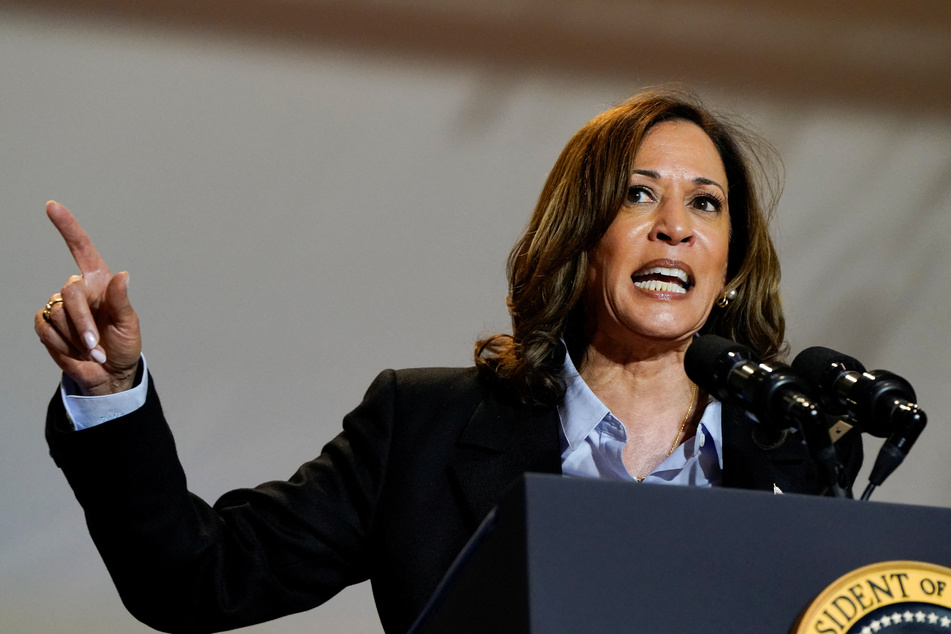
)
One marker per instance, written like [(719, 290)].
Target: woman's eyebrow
[(700, 180)]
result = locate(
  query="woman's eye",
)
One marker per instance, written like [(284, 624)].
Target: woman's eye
[(639, 194), (707, 203)]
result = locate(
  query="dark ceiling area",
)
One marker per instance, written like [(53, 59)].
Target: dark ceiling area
[(870, 55)]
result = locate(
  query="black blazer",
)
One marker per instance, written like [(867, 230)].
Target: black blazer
[(393, 498)]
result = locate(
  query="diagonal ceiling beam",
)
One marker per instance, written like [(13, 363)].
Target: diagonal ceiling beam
[(871, 55)]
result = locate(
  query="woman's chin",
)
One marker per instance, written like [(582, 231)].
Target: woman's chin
[(652, 337), (673, 326)]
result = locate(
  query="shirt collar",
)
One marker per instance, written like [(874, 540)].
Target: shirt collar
[(711, 424), (581, 411)]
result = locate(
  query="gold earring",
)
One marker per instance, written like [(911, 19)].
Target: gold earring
[(728, 297)]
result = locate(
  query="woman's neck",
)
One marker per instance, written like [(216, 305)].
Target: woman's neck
[(648, 391), (638, 371)]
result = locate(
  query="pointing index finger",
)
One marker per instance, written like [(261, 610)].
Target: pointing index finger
[(81, 247)]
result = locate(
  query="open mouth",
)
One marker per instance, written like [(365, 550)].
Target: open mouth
[(663, 279)]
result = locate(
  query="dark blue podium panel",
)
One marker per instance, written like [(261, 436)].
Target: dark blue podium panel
[(575, 556)]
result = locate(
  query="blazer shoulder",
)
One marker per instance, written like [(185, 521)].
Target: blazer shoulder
[(438, 379), (421, 388)]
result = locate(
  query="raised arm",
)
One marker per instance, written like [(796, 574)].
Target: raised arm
[(89, 327)]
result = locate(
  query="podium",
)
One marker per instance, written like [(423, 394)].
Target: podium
[(562, 555)]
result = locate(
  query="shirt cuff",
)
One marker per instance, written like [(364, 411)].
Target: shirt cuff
[(89, 411)]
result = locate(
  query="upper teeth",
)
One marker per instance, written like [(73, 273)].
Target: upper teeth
[(661, 270), (663, 287)]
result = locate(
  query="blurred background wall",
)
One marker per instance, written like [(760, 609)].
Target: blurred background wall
[(307, 192)]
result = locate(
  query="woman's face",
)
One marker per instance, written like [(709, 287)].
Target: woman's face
[(657, 271)]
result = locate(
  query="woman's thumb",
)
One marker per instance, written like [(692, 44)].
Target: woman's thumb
[(117, 299)]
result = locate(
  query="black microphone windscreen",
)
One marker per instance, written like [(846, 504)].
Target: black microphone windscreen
[(703, 356), (812, 364)]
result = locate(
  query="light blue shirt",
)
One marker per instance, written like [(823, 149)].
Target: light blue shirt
[(89, 411), (592, 441)]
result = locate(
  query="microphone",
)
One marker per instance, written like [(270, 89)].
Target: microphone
[(881, 403), (772, 393), (845, 388)]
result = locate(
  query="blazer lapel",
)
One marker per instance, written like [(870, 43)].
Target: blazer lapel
[(501, 442), (754, 458)]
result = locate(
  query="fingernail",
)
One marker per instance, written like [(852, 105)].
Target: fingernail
[(90, 338), (98, 355)]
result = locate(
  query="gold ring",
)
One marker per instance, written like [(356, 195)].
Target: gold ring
[(49, 308)]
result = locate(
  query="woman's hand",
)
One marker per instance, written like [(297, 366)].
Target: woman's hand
[(89, 328)]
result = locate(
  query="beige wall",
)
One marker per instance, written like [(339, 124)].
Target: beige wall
[(298, 216)]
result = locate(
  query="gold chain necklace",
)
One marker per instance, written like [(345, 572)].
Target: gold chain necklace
[(680, 432)]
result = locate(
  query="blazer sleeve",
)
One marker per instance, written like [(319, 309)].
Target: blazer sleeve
[(181, 565)]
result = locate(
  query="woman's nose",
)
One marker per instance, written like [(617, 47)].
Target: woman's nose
[(672, 224)]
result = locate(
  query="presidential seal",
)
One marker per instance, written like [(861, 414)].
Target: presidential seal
[(891, 597)]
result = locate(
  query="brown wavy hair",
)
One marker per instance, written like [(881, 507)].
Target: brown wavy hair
[(547, 267)]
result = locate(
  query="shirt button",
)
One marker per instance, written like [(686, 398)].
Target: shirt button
[(701, 438)]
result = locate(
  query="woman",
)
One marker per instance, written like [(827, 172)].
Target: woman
[(648, 231)]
